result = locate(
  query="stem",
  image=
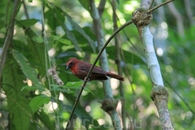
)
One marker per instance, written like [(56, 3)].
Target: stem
[(159, 94), (9, 36), (48, 65), (118, 62), (156, 7)]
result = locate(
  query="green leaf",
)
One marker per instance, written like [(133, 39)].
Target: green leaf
[(55, 37), (76, 27), (82, 32), (37, 39), (83, 115), (129, 56), (19, 109), (58, 88), (85, 4), (56, 19), (72, 38), (74, 84), (26, 68), (28, 22), (32, 88), (38, 102), (44, 118), (35, 51), (65, 41), (59, 16)]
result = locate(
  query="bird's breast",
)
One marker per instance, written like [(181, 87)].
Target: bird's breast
[(74, 71)]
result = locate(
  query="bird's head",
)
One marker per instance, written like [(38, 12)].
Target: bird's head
[(71, 62)]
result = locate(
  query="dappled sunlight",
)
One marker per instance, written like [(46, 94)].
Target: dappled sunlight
[(130, 6), (61, 97), (159, 51), (169, 68), (88, 108), (191, 81), (48, 33), (86, 14), (114, 83), (51, 107), (101, 121), (51, 52)]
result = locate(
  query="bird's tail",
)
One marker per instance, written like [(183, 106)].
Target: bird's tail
[(112, 75)]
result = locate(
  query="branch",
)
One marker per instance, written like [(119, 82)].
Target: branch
[(25, 9), (188, 8), (118, 62), (159, 94), (156, 7), (109, 104), (101, 7), (179, 19), (9, 36)]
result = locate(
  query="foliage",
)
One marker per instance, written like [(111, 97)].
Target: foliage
[(32, 100)]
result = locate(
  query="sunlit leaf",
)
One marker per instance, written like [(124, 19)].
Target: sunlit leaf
[(32, 88), (65, 41), (82, 32), (74, 84), (72, 38), (28, 22), (37, 39), (26, 68), (37, 102), (58, 88), (129, 56), (55, 37), (85, 4)]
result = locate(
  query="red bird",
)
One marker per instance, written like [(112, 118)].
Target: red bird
[(80, 69)]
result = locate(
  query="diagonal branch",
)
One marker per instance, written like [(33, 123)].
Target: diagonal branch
[(9, 36)]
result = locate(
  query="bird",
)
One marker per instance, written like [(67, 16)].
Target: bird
[(81, 68)]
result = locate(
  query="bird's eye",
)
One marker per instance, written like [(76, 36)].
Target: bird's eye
[(70, 64)]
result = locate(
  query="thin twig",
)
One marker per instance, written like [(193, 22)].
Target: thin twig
[(156, 7), (193, 112), (118, 61), (101, 7), (76, 102), (151, 4), (48, 65), (123, 58), (25, 9)]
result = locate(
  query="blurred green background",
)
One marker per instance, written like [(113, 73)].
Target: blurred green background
[(69, 32)]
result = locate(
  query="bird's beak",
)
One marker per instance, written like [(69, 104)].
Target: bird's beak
[(67, 67)]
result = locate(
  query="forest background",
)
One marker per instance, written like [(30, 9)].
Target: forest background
[(31, 99)]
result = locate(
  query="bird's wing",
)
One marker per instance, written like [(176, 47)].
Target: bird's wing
[(96, 70)]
